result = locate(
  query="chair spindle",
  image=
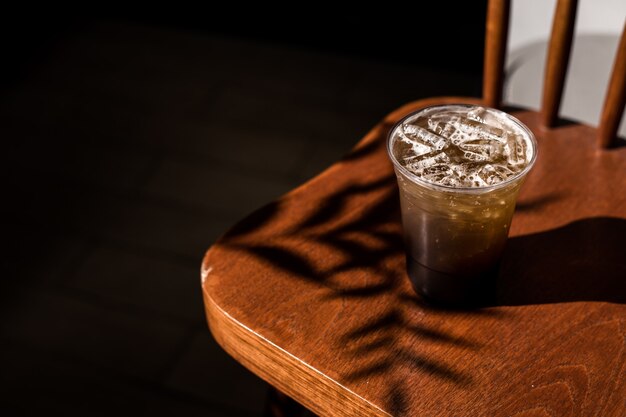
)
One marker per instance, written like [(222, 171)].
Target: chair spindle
[(558, 57), (495, 50), (615, 98)]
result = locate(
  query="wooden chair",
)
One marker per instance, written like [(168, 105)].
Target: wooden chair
[(310, 292)]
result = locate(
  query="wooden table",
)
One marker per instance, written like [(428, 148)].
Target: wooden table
[(311, 294)]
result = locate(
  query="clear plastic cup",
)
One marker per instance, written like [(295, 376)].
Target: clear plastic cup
[(455, 234)]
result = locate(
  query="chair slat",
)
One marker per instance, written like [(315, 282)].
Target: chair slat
[(557, 60), (615, 98), (495, 51)]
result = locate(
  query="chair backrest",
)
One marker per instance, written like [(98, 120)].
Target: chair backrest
[(556, 68)]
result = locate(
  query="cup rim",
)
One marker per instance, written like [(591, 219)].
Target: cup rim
[(465, 190)]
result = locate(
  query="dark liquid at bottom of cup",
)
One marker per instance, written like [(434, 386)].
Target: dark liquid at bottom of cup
[(452, 290)]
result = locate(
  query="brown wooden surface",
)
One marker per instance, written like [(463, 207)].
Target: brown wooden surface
[(615, 98), (311, 294), (557, 60), (495, 51)]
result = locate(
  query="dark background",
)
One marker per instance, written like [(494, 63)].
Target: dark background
[(132, 140), (447, 36)]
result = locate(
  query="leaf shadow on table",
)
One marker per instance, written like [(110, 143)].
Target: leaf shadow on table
[(368, 244), (580, 261)]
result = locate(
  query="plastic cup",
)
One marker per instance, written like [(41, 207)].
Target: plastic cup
[(455, 236)]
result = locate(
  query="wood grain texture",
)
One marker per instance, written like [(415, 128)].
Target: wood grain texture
[(495, 51), (558, 59), (311, 294), (615, 98)]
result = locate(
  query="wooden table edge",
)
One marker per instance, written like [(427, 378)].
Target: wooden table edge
[(313, 389)]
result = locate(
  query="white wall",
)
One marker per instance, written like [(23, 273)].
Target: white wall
[(531, 20), (599, 24)]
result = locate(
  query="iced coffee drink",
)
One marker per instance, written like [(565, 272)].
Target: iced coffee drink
[(459, 170)]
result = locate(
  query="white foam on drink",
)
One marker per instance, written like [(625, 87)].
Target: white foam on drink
[(462, 146)]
